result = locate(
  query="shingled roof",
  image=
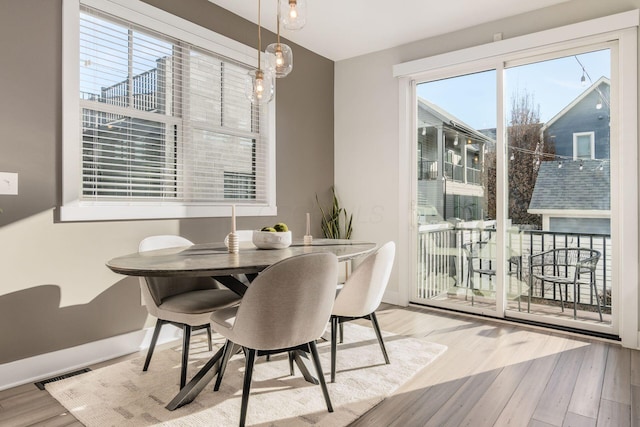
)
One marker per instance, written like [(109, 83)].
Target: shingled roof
[(570, 188)]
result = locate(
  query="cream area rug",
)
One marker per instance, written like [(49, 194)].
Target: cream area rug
[(123, 395)]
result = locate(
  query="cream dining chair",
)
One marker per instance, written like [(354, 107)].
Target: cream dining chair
[(285, 309), (361, 295), (185, 302)]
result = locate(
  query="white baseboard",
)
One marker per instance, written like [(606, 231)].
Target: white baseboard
[(393, 297), (48, 365)]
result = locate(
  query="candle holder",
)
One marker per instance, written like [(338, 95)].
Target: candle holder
[(233, 243), (307, 237)]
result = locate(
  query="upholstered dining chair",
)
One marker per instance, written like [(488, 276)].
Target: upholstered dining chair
[(286, 308), (185, 302), (361, 295)]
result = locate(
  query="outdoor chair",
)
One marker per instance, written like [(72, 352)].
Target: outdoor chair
[(480, 261), (566, 266)]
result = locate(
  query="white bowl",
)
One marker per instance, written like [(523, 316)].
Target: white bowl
[(271, 239)]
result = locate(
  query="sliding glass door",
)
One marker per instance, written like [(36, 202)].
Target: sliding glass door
[(513, 190), (558, 141), (456, 222)]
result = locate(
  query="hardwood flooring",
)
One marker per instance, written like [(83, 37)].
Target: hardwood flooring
[(493, 374)]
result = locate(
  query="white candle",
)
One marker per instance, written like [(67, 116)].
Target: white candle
[(233, 218), (308, 224)]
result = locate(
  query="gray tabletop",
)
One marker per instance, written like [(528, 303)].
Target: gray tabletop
[(213, 259)]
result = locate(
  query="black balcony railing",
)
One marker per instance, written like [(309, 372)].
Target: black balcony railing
[(443, 265)]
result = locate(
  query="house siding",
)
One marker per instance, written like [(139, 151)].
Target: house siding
[(579, 225), (583, 117)]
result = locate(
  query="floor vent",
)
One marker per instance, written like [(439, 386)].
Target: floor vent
[(41, 384)]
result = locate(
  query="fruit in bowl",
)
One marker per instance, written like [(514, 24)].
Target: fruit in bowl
[(276, 237)]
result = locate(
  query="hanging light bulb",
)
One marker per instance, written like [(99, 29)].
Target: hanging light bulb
[(455, 141), (581, 165), (583, 79), (560, 164), (279, 56), (294, 13), (259, 84), (424, 131), (599, 105), (513, 157)]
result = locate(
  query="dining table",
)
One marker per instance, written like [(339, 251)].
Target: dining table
[(235, 271)]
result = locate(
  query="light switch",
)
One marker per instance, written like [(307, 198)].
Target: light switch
[(8, 183)]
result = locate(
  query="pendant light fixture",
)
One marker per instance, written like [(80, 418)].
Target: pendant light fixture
[(294, 13), (279, 55), (259, 83)]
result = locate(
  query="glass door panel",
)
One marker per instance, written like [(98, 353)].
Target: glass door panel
[(557, 120), (455, 203)]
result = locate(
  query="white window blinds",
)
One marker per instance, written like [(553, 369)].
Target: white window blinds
[(165, 121)]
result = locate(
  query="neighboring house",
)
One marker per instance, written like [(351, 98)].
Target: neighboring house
[(573, 198), (450, 166), (573, 192), (581, 129)]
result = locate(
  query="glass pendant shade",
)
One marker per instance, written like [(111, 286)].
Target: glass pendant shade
[(293, 13), (279, 59), (259, 86)]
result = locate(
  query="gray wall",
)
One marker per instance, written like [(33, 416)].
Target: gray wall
[(55, 291)]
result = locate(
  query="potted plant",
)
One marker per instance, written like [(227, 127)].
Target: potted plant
[(333, 227), (332, 219)]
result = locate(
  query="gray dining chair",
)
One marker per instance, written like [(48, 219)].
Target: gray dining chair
[(285, 309), (185, 302), (361, 295)]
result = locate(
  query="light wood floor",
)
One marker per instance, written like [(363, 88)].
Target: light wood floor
[(493, 374)]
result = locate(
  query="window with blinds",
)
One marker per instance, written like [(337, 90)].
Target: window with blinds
[(164, 121)]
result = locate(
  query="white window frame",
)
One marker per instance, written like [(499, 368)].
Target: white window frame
[(75, 209), (621, 28), (592, 144)]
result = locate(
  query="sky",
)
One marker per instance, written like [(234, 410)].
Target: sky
[(552, 83)]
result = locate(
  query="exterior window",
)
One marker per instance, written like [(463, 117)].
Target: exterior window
[(583, 145), (163, 121)]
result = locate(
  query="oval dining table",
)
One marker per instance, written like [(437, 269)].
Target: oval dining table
[(214, 260)]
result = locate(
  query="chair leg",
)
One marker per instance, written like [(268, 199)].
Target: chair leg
[(595, 291), (334, 345), (152, 346), (292, 370), (186, 332), (575, 299), (341, 324), (209, 337), (228, 351), (376, 327), (246, 388), (323, 384)]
